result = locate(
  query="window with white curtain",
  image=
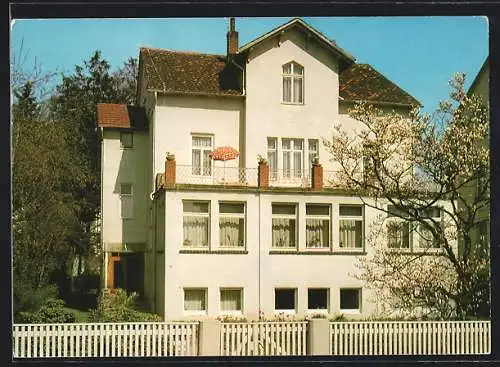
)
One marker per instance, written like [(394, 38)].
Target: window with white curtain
[(293, 83), (126, 201), (231, 300), (272, 157), (196, 223), (195, 300), (398, 229), (425, 236), (292, 157), (232, 224), (317, 225), (351, 227), (201, 161), (284, 228)]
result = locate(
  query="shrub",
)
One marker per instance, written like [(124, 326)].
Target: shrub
[(26, 299), (51, 311), (115, 305)]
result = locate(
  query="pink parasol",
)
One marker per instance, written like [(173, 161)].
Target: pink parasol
[(224, 154)]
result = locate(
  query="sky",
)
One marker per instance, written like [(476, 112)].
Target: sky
[(419, 54)]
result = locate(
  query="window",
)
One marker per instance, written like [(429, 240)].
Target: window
[(293, 83), (126, 140), (284, 229), (127, 201), (292, 157), (350, 299), (195, 300), (425, 236), (201, 148), (313, 150), (317, 225), (351, 227), (231, 300), (272, 157), (232, 224), (398, 229), (317, 299), (196, 221), (285, 299)]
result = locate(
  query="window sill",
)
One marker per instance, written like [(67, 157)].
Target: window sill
[(316, 252), (217, 252), (293, 103), (351, 311), (195, 313)]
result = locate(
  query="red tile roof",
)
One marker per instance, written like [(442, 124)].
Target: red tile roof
[(121, 116)]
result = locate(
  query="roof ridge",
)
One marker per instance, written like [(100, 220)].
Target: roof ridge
[(181, 52)]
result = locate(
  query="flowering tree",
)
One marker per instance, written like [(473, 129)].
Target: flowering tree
[(408, 166)]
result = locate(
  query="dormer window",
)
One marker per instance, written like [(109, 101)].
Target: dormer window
[(293, 83)]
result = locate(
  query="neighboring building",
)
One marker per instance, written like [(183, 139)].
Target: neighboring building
[(480, 87), (199, 237)]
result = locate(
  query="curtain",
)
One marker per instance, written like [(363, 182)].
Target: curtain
[(194, 300), (399, 235), (283, 232), (196, 168), (230, 300), (207, 163), (297, 90), (297, 164), (195, 231), (273, 163), (317, 232), (286, 164), (232, 232), (287, 89), (350, 233)]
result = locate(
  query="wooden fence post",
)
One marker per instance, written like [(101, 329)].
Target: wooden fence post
[(209, 338), (318, 340)]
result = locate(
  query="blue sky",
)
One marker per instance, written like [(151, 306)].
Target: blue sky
[(420, 54)]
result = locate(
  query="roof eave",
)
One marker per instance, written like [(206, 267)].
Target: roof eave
[(194, 94), (382, 103)]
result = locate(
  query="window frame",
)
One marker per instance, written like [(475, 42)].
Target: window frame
[(202, 167), (360, 300), (291, 172), (289, 311), (233, 215), (273, 171), (122, 135), (127, 196), (318, 310), (420, 238), (393, 219), (205, 301), (241, 301), (292, 76), (356, 218), (322, 217), (285, 216), (195, 214)]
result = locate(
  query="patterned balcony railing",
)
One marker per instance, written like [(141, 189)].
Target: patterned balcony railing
[(216, 176), (290, 177)]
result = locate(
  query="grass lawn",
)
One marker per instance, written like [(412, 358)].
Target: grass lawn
[(80, 315)]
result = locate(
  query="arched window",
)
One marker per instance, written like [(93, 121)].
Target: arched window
[(293, 83)]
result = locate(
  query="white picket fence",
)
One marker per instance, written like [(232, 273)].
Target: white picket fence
[(410, 338), (263, 338), (105, 340)]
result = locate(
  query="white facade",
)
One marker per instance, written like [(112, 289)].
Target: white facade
[(255, 275)]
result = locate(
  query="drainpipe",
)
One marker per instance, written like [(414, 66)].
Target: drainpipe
[(259, 247), (243, 76)]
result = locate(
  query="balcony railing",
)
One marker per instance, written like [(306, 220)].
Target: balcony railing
[(234, 176)]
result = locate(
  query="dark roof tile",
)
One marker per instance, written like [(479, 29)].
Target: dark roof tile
[(361, 82)]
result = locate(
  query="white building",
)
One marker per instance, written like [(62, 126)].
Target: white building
[(199, 237)]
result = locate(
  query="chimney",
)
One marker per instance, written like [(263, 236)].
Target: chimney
[(170, 169), (317, 176), (232, 39)]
